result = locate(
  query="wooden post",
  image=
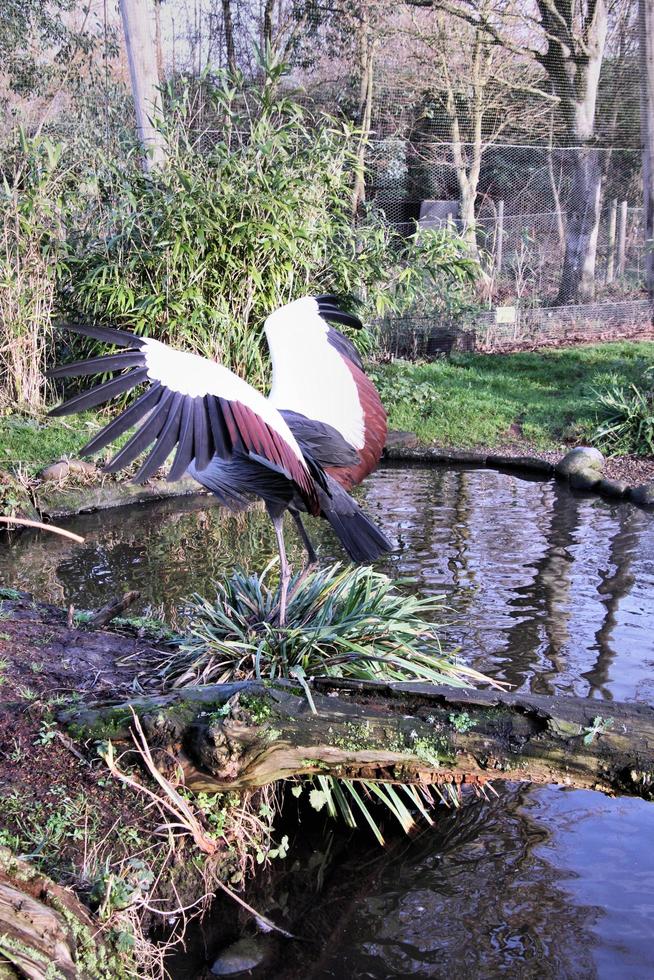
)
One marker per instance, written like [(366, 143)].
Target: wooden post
[(499, 236), (646, 24), (143, 74), (610, 257), (622, 237)]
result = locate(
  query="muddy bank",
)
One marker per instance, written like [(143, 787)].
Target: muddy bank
[(75, 825)]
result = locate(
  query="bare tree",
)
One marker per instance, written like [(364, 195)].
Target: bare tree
[(479, 87), (567, 38)]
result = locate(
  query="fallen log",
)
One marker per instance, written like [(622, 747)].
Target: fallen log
[(45, 932), (244, 735)]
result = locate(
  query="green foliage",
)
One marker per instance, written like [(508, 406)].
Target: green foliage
[(627, 417), (241, 221), (347, 798), (462, 721), (343, 622), (116, 890), (44, 829), (401, 389), (6, 593)]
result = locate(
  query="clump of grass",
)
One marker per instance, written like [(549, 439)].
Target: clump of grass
[(627, 423), (340, 622)]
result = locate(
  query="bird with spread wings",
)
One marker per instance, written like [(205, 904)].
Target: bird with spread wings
[(320, 431)]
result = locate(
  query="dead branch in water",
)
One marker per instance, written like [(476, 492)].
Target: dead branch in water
[(112, 609), (23, 521)]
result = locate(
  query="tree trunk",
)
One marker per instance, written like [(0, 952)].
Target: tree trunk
[(228, 28), (573, 60), (45, 932), (157, 41), (143, 73), (581, 227), (366, 68), (646, 23), (248, 734), (267, 33)]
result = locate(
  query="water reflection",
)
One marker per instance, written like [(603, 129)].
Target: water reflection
[(542, 883), (546, 589)]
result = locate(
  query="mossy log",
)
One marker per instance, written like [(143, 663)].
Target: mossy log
[(44, 930), (245, 735)]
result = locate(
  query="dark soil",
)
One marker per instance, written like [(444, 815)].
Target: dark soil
[(47, 665)]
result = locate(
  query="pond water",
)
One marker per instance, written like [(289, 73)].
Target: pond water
[(549, 590)]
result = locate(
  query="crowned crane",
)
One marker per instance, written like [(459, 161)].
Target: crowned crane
[(321, 430)]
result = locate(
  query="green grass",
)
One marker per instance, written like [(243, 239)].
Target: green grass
[(31, 443), (474, 399)]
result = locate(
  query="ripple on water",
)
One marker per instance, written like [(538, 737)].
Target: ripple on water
[(546, 589), (540, 883)]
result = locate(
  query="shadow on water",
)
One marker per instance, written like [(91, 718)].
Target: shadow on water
[(544, 883), (547, 589)]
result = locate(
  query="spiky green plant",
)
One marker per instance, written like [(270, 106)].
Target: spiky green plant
[(342, 622), (627, 423)]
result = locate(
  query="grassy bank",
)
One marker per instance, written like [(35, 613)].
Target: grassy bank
[(28, 444), (547, 398)]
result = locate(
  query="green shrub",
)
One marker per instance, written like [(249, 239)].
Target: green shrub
[(627, 418), (30, 239), (239, 221)]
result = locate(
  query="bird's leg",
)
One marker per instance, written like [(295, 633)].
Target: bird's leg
[(312, 557), (284, 569)]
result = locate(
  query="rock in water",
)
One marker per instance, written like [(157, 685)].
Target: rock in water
[(586, 479), (583, 458), (643, 494), (243, 955)]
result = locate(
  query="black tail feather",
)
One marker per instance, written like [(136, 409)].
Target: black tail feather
[(360, 537)]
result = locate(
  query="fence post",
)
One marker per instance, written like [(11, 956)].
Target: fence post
[(499, 236), (622, 237), (610, 258)]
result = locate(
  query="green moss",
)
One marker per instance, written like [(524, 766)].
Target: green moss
[(258, 707), (113, 724), (92, 959), (15, 951)]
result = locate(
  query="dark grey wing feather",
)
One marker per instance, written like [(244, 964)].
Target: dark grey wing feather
[(322, 442), (237, 480), (199, 426)]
